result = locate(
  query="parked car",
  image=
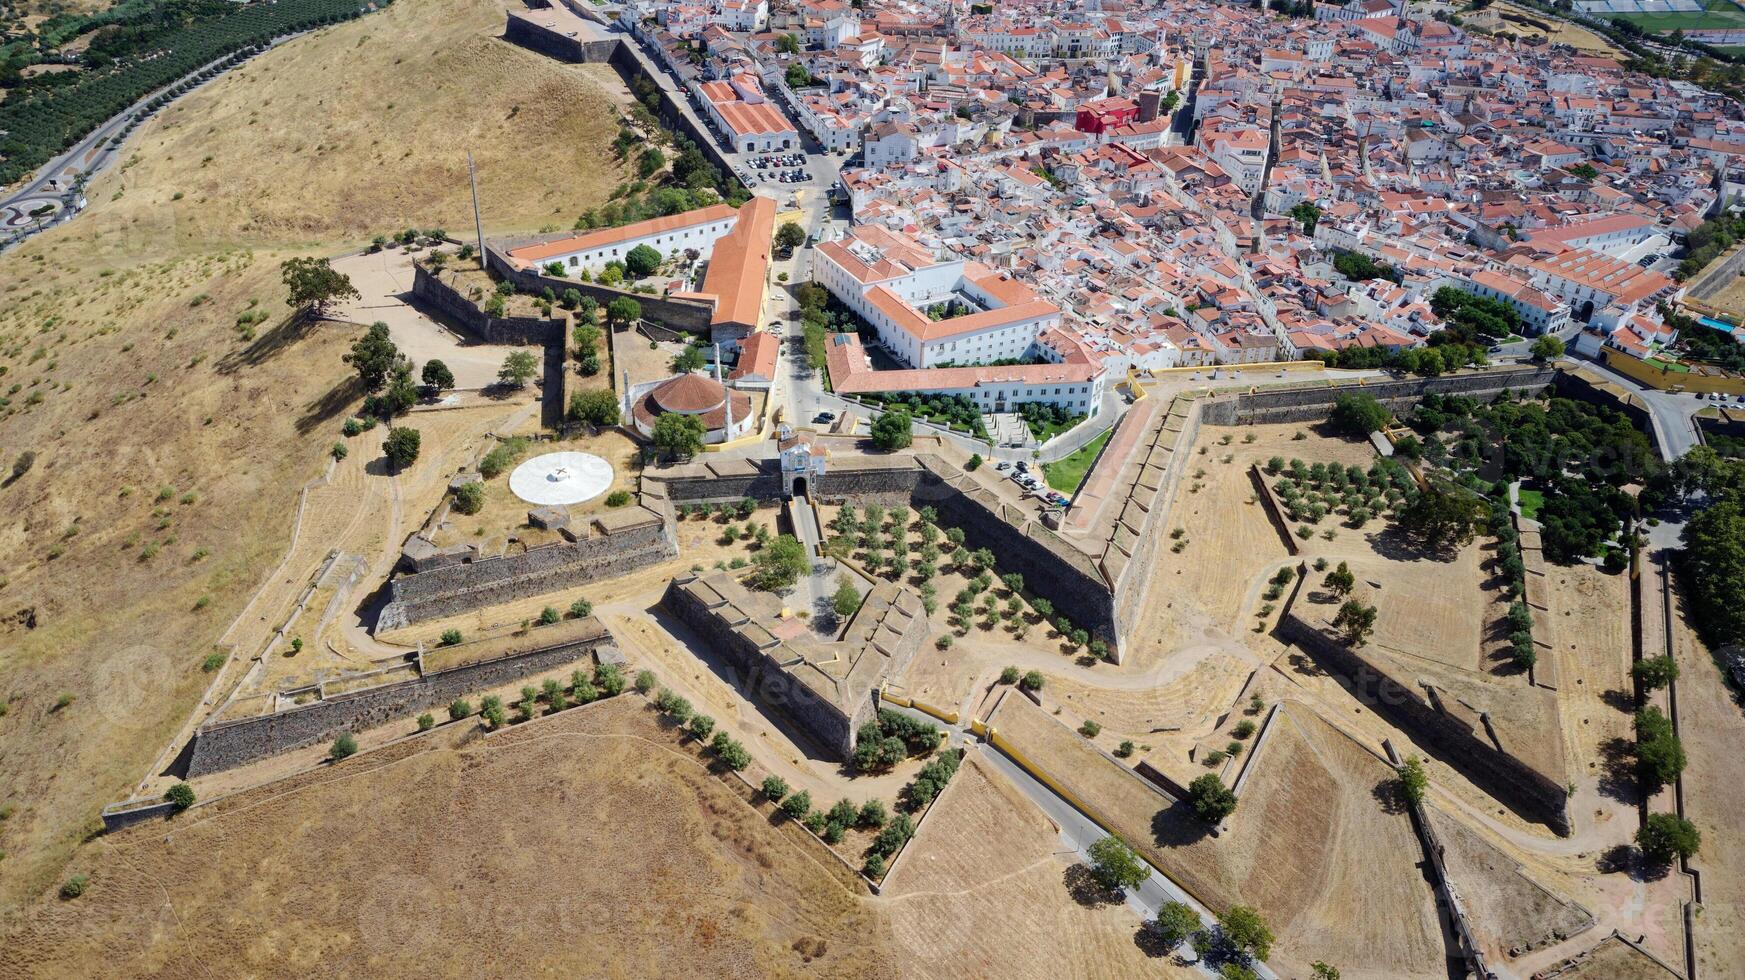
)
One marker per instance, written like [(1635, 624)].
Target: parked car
[(1002, 466), (823, 417)]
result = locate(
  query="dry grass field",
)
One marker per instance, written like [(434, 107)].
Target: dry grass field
[(981, 892), (1506, 907), (1712, 728), (470, 858), (1312, 845), (120, 331)]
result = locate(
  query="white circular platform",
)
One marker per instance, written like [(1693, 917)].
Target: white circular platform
[(556, 479)]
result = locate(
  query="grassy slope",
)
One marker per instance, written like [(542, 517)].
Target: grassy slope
[(1066, 474), (310, 149)]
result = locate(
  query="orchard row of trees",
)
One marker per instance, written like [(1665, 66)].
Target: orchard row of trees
[(41, 121)]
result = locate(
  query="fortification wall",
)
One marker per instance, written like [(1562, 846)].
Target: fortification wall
[(492, 330), (1134, 578), (226, 745), (1513, 782), (764, 484), (683, 314), (765, 681), (462, 588), (555, 44), (1311, 404)]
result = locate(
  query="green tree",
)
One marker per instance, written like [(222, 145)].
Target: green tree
[(788, 44), (343, 746), (1414, 781), (642, 261), (312, 283), (893, 430), (1355, 621), (459, 708), (1306, 214), (1714, 563), (798, 805), (1547, 348), (401, 447), (650, 162), (1442, 518), (1654, 673), (1665, 836), (846, 599), (1246, 932), (774, 788), (374, 357), (518, 368), (1211, 799), (701, 726), (181, 795), (779, 564), (1116, 865), (437, 375), (790, 236), (688, 360), (623, 311), (678, 435), (1340, 581), (595, 406), (1321, 971), (1176, 921), (1359, 414), (469, 498)]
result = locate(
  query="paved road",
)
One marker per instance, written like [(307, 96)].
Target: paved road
[(1669, 412), (59, 182), (1079, 832)]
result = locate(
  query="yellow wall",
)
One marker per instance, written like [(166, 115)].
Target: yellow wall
[(1654, 377)]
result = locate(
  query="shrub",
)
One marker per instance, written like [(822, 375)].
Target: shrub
[(1009, 675), (343, 747), (1414, 781), (459, 708), (1244, 728), (875, 865), (212, 662), (450, 637), (618, 498), (426, 722), (1124, 750), (181, 794), (469, 498), (1032, 681), (1090, 729), (798, 805), (701, 726), (774, 788), (872, 814), (644, 681), (74, 887), (1654, 673)]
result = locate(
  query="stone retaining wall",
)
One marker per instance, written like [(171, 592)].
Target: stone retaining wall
[(462, 588), (684, 314), (129, 812), (1133, 577), (228, 744), (555, 44), (1314, 404), (492, 330), (764, 680), (1405, 707)]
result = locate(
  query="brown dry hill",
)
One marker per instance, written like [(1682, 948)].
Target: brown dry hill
[(1313, 845), (580, 844), (982, 891), (129, 375)]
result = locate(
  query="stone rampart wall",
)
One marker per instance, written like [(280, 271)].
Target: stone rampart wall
[(119, 815), (226, 745), (683, 314), (765, 681), (1132, 583), (475, 585), (1311, 404), (492, 330), (1406, 707), (765, 484), (555, 44)]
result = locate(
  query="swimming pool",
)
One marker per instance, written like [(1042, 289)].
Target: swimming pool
[(1720, 325)]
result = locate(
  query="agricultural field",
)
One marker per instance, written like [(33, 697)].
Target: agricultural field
[(171, 450), (563, 885)]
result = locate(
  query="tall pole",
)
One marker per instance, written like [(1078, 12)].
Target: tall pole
[(478, 224)]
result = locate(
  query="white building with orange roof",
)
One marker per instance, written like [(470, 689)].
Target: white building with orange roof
[(697, 230), (899, 286), (750, 122)]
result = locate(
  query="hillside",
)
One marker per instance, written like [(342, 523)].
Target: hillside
[(170, 443)]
